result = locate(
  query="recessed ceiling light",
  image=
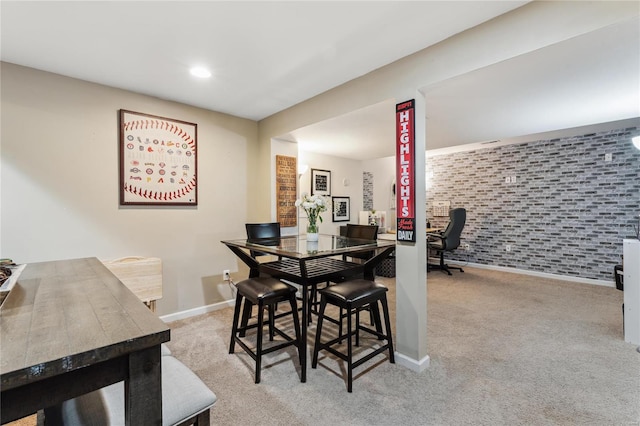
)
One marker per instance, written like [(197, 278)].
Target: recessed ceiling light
[(200, 72)]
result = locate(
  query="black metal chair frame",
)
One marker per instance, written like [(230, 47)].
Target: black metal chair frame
[(268, 234), (365, 232), (269, 302), (263, 232), (353, 307)]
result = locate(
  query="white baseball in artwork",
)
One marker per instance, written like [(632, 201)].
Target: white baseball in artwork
[(158, 158)]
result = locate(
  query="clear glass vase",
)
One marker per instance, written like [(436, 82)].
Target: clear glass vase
[(312, 232)]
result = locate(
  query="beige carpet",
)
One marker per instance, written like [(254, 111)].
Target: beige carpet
[(27, 421), (504, 348)]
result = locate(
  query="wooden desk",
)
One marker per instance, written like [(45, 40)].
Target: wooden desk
[(305, 262), (388, 236), (391, 236), (70, 327)]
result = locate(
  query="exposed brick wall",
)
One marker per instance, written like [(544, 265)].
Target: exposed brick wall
[(566, 214)]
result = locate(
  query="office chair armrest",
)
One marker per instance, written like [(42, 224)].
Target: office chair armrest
[(431, 236)]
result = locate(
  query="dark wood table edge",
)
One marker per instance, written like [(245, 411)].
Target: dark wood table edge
[(137, 362)]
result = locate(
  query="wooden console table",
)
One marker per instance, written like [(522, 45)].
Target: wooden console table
[(70, 327), (141, 275)]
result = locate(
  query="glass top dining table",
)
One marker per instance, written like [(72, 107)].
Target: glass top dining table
[(308, 263), (298, 247)]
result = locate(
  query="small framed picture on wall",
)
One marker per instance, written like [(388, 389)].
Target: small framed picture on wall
[(341, 209), (320, 182)]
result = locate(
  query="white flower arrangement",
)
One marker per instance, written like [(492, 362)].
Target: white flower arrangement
[(313, 205)]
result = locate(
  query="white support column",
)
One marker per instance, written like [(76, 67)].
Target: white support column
[(411, 258), (631, 251)]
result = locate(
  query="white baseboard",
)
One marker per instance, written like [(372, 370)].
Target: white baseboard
[(536, 274), (412, 364), (197, 311)]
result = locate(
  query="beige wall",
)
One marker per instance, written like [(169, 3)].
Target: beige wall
[(60, 194), (343, 170), (384, 173)]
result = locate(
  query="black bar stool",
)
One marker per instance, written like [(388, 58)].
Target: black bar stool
[(265, 293), (352, 296)]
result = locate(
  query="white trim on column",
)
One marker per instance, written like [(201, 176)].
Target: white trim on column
[(412, 364)]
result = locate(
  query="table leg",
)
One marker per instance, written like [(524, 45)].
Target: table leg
[(143, 388), (370, 265), (304, 324)]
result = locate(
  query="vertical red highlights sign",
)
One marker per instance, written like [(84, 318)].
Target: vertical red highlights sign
[(405, 171)]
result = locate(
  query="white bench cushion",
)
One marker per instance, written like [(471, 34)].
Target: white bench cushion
[(164, 350), (184, 395)]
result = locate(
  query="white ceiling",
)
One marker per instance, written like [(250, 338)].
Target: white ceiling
[(267, 56), (591, 79)]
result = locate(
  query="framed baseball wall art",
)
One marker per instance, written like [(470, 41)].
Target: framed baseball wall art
[(320, 182), (158, 160)]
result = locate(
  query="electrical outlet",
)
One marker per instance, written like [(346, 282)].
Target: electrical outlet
[(226, 275), (466, 246), (507, 247)]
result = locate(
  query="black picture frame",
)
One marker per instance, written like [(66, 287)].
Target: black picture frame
[(320, 182), (341, 209)]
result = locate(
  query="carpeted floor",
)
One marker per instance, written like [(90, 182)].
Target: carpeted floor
[(505, 349)]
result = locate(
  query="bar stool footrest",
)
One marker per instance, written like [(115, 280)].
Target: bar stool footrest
[(367, 357)]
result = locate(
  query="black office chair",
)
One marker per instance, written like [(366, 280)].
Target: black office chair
[(448, 240)]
